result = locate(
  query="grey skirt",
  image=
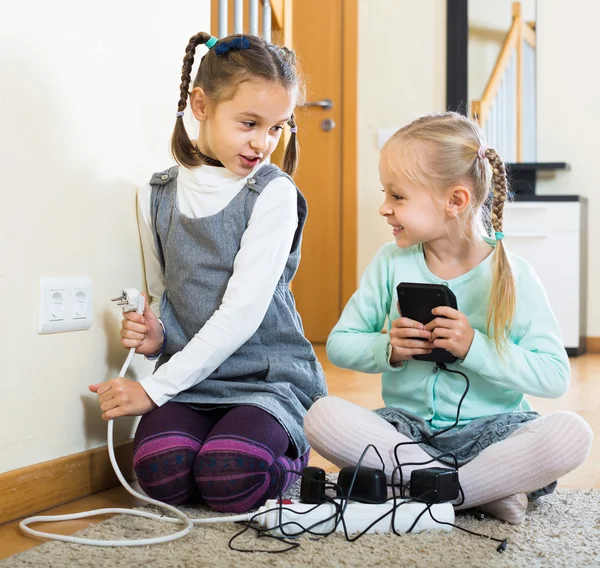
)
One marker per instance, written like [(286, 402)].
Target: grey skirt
[(463, 442)]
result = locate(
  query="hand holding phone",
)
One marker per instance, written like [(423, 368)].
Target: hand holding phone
[(451, 331), (409, 339), (417, 302)]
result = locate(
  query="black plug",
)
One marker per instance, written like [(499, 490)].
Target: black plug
[(369, 484), (434, 484), (312, 486), (502, 546)]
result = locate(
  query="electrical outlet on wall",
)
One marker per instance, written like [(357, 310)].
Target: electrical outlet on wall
[(66, 304)]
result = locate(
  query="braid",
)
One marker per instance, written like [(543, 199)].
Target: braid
[(502, 304), (186, 70), (499, 187), (182, 148)]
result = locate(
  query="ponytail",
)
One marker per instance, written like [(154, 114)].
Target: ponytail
[(292, 150)]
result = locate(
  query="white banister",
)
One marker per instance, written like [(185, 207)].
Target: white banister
[(529, 106), (507, 110), (266, 31), (223, 15), (238, 16), (253, 13)]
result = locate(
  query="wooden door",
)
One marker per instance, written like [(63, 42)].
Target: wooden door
[(324, 38)]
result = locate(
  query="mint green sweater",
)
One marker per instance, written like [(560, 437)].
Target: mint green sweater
[(536, 362)]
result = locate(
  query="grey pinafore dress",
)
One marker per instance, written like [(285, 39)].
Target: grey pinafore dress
[(276, 369)]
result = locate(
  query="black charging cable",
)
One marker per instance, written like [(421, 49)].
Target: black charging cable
[(342, 502), (337, 516), (399, 466), (503, 543), (460, 402), (262, 532)]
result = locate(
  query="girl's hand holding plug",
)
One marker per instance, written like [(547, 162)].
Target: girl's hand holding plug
[(142, 331), (451, 330), (122, 397)]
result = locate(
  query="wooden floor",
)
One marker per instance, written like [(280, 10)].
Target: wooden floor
[(583, 398)]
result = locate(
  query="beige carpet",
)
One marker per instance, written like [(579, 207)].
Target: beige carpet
[(560, 530)]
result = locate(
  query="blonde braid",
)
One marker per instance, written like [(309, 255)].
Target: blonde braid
[(502, 304), (499, 186)]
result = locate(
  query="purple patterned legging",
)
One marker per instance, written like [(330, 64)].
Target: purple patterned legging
[(232, 459)]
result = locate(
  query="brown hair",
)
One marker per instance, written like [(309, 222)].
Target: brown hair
[(218, 75), (442, 150)]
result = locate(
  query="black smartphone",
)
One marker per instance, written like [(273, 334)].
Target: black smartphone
[(416, 301)]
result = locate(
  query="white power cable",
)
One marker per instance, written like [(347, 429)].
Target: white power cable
[(132, 300)]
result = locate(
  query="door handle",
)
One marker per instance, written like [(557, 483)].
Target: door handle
[(325, 104)]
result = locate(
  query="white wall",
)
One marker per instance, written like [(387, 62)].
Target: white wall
[(401, 75), (89, 95), (568, 120)]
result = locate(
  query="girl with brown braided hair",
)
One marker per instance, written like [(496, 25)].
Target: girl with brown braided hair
[(222, 415), (437, 175)]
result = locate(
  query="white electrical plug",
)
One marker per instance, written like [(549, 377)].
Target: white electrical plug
[(131, 299)]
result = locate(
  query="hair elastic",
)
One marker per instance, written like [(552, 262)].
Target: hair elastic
[(236, 43), (180, 113), (294, 129), (211, 42), (499, 235), (482, 150)]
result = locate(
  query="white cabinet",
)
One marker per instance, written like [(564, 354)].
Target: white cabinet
[(550, 232)]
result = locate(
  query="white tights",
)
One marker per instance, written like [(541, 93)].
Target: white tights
[(538, 453)]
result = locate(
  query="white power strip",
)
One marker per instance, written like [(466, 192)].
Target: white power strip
[(357, 516)]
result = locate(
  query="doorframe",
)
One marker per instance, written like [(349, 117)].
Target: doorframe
[(349, 209), (457, 59)]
